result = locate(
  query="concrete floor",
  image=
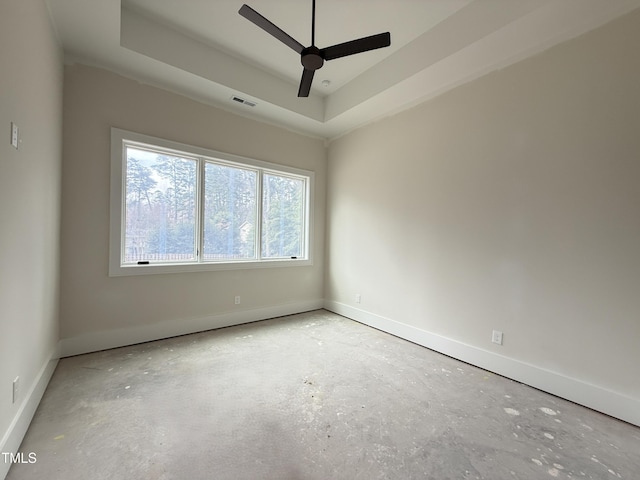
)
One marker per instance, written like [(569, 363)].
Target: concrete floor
[(310, 396)]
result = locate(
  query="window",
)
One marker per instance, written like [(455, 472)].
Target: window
[(177, 208)]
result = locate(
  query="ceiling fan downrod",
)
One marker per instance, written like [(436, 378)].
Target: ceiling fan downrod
[(311, 57)]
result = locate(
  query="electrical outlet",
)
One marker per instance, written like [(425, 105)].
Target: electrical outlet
[(16, 389), (237, 300), (358, 298), (496, 337)]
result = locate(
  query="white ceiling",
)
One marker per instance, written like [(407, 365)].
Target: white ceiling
[(204, 49)]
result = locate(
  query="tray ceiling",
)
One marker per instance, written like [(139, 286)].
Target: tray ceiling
[(206, 50)]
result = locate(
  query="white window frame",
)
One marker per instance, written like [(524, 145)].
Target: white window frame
[(120, 139)]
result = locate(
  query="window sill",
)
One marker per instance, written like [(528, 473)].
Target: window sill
[(165, 268)]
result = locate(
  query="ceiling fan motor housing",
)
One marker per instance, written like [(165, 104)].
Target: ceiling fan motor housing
[(311, 58)]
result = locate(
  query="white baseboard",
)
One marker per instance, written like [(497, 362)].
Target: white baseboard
[(578, 391), (18, 428), (96, 341)]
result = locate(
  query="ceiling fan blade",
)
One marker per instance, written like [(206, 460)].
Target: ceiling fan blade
[(357, 46), (305, 82), (250, 14)]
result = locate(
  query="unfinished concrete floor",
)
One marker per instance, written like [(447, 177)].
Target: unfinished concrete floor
[(310, 396)]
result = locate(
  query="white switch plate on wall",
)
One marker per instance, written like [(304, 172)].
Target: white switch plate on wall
[(16, 389), (14, 135)]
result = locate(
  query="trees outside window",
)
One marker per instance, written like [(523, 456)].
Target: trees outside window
[(180, 208), (229, 212), (282, 216), (160, 208)]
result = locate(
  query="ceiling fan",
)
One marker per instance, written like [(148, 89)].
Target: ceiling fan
[(312, 57)]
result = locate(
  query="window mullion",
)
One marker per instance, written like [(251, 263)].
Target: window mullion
[(304, 235), (200, 211), (258, 229)]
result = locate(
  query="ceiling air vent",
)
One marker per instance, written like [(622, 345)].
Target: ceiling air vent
[(248, 103)]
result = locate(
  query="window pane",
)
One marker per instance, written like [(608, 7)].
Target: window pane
[(160, 207), (229, 213), (282, 216)]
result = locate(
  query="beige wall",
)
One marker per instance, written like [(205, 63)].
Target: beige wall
[(31, 96), (91, 301), (510, 203)]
